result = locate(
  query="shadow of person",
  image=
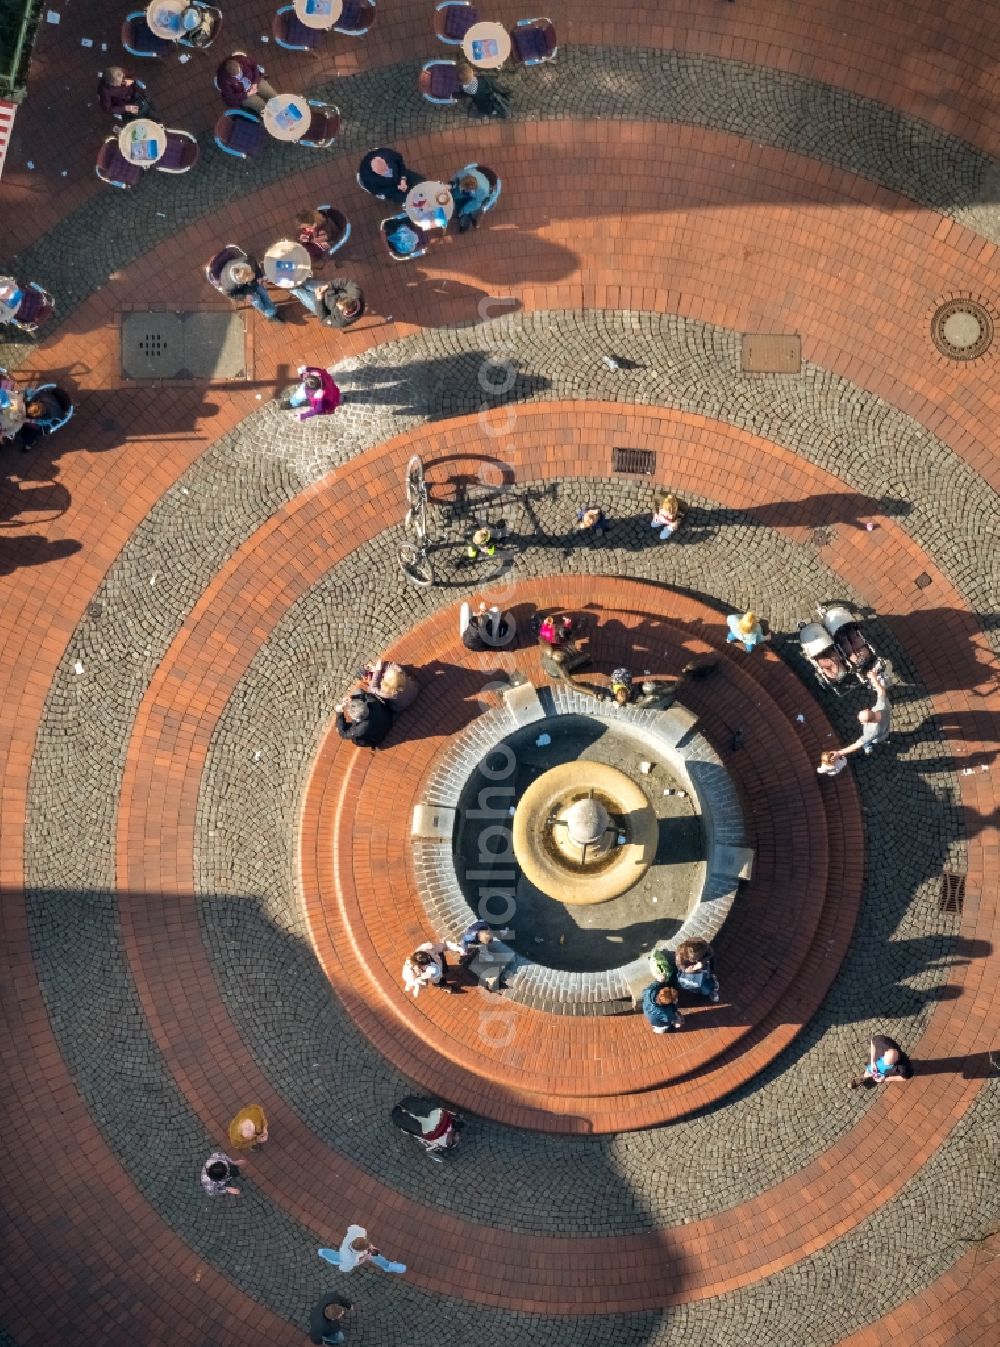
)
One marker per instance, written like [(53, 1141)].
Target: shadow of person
[(49, 498), (31, 549)]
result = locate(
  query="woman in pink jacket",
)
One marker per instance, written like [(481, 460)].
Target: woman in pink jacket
[(317, 394)]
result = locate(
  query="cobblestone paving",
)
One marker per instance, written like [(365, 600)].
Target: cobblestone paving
[(627, 1183), (901, 153)]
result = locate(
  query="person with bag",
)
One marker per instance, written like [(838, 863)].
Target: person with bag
[(696, 969)]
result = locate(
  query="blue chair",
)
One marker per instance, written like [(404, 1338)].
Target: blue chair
[(357, 17), (138, 38), (323, 126), (35, 308), (533, 41), (439, 82), (389, 226), (291, 33), (62, 400), (452, 20), (240, 133)]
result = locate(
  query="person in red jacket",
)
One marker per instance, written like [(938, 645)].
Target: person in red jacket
[(241, 83), (317, 394)]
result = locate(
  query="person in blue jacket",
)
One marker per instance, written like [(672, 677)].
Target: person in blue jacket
[(659, 1005)]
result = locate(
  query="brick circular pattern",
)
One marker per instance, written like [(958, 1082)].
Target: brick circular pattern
[(962, 329), (181, 612)]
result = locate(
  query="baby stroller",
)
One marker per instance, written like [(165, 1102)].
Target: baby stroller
[(839, 651), (437, 1128)]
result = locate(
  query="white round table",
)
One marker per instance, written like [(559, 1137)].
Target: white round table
[(487, 45), (430, 205), (164, 18), (318, 13), (287, 264), (11, 295), (12, 415), (142, 142), (287, 116)]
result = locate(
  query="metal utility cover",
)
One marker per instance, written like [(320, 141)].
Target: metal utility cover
[(183, 347), (762, 353)]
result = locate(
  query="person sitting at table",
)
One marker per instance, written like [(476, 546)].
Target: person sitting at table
[(317, 394), (245, 280), (343, 303), (122, 96), (240, 82), (486, 99), (45, 410), (315, 232), (198, 25), (385, 175), (471, 191)]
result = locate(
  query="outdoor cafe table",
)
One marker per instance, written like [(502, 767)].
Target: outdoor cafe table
[(287, 264), (11, 408), (318, 13), (142, 142), (164, 18), (287, 116), (430, 205), (487, 45)]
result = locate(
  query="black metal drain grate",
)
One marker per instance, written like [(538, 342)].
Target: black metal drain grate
[(922, 580), (638, 462), (952, 892)]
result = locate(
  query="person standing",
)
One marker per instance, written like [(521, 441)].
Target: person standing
[(355, 1249), (668, 517), (876, 723), (486, 98), (248, 1128), (695, 961), (886, 1062), (428, 967), (217, 1175), (240, 81), (326, 1320)]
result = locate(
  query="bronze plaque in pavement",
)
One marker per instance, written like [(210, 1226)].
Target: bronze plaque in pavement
[(765, 353)]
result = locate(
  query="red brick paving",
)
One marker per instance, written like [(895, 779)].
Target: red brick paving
[(859, 290)]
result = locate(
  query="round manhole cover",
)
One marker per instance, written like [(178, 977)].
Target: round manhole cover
[(962, 329)]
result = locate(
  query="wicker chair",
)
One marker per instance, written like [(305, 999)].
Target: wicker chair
[(533, 41), (292, 34), (138, 38), (240, 133), (113, 168), (357, 17), (452, 20), (181, 153), (439, 82)]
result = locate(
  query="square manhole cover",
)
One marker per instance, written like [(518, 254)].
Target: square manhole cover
[(183, 346), (762, 353)]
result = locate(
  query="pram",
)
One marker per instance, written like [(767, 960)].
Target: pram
[(437, 1128), (839, 651)]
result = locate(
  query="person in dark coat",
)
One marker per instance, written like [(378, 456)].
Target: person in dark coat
[(485, 98), (242, 85), (384, 173), (122, 96), (364, 718), (659, 1005), (326, 1320), (343, 303)]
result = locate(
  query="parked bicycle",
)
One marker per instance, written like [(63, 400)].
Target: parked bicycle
[(414, 558)]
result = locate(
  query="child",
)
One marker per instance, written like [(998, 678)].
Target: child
[(745, 631), (831, 763), (659, 1005), (592, 519), (551, 632), (621, 686), (668, 517), (317, 394), (482, 545)]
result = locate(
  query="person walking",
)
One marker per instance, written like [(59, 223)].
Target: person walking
[(659, 1005), (326, 1320), (886, 1062), (668, 517), (485, 97), (248, 1128), (876, 723), (217, 1175), (355, 1249)]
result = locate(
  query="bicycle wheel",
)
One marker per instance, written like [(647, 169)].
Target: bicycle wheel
[(416, 487), (416, 565)]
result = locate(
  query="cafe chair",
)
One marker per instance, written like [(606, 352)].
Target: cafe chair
[(340, 228), (181, 153), (208, 32), (240, 133), (113, 168), (389, 226), (138, 38), (357, 17), (35, 308), (452, 20), (62, 400), (232, 252), (533, 41), (439, 82), (292, 34), (491, 178), (323, 127)]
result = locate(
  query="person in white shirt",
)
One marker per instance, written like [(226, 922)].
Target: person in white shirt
[(356, 1248), (427, 967)]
